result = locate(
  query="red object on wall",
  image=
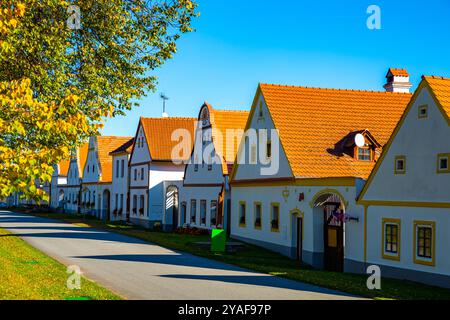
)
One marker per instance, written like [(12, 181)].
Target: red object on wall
[(301, 196)]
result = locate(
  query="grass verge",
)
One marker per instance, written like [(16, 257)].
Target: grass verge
[(261, 260), (28, 274)]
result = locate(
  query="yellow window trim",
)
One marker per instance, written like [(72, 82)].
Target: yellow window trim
[(243, 225), (439, 157), (396, 171), (419, 260), (388, 255), (254, 214), (274, 204), (419, 109)]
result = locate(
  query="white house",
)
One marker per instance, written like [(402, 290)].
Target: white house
[(155, 160), (71, 190), (97, 176), (57, 184), (120, 201), (407, 197), (301, 167), (205, 196)]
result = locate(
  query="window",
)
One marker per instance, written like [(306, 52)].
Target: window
[(400, 165), (193, 210), (121, 201), (213, 212), (269, 150), (364, 154), (442, 163), (196, 167), (117, 201), (203, 212), (423, 112), (242, 213), (183, 213), (257, 215), (275, 217), (142, 173), (117, 168), (391, 239), (122, 168), (135, 174), (141, 205), (134, 204), (424, 242), (260, 112)]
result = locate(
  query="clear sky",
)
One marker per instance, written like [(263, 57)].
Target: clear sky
[(321, 43)]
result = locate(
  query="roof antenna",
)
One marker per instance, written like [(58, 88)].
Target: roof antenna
[(164, 99)]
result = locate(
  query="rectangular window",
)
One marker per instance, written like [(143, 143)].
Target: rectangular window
[(203, 212), (269, 150), (135, 174), (193, 210), (141, 205), (134, 204), (400, 165), (257, 214), (242, 213), (423, 112), (142, 173), (117, 201), (117, 168), (424, 241), (121, 201), (213, 212), (442, 163), (183, 213), (391, 239), (275, 217), (122, 168), (364, 154)]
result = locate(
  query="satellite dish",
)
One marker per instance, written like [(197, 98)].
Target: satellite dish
[(360, 141)]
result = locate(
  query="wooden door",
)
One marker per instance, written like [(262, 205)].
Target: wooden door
[(333, 244), (299, 238)]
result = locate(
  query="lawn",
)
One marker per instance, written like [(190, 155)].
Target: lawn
[(28, 274), (259, 259)]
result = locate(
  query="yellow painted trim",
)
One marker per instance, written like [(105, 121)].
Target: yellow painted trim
[(404, 204), (439, 156), (274, 204), (242, 225), (365, 233), (297, 212), (325, 191), (420, 260), (254, 215), (310, 182), (397, 158), (384, 254), (420, 108)]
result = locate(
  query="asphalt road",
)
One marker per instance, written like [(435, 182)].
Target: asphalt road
[(138, 270)]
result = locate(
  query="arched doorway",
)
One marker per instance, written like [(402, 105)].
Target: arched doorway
[(332, 205), (297, 232), (106, 212), (171, 219)]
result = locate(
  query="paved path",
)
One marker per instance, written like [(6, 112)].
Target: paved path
[(138, 270)]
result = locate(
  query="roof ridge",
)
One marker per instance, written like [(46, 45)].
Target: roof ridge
[(332, 89), (169, 118), (226, 110), (436, 77)]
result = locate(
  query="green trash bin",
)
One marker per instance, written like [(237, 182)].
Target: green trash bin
[(218, 239)]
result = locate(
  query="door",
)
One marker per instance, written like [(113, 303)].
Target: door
[(333, 243), (299, 239)]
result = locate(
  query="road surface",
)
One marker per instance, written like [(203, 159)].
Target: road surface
[(138, 270)]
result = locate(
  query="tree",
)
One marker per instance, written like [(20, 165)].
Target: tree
[(57, 83)]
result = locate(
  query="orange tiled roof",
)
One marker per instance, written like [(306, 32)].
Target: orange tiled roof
[(105, 145), (221, 120), (398, 72), (441, 89), (158, 133), (64, 167), (125, 148), (312, 120)]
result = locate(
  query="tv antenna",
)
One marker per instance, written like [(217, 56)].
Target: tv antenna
[(164, 99)]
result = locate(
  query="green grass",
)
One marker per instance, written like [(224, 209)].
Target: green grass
[(28, 274), (261, 260)]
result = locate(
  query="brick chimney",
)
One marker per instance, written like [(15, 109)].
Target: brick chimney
[(397, 81)]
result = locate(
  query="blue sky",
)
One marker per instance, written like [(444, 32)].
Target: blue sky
[(321, 43)]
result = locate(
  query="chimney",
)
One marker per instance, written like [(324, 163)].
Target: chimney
[(397, 81)]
